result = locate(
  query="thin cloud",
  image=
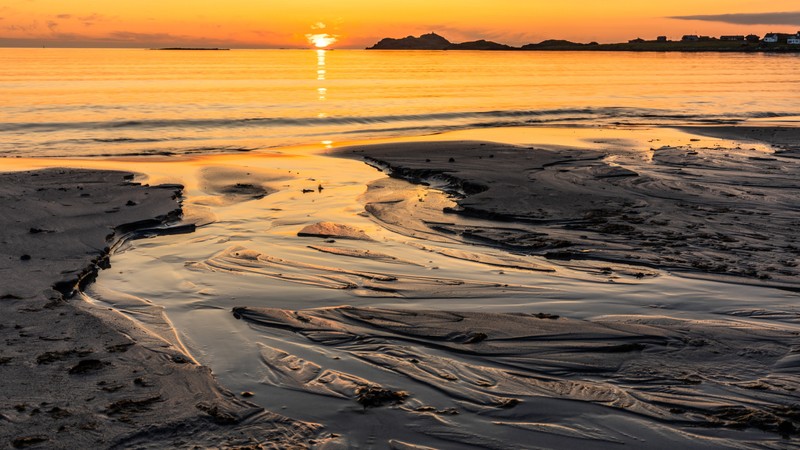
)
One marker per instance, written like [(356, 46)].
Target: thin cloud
[(91, 17), (129, 36), (64, 16), (23, 28), (772, 18), (52, 25)]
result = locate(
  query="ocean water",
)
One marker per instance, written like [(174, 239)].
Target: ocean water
[(103, 102)]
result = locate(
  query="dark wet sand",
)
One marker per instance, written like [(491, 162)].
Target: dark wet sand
[(655, 370), (522, 380), (78, 375), (87, 375), (722, 213)]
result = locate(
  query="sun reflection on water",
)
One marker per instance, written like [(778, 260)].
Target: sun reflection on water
[(322, 91)]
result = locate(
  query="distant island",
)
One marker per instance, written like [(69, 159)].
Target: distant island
[(193, 49), (772, 42)]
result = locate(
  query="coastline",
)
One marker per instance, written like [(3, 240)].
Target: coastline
[(603, 367), (77, 374), (690, 44), (679, 208)]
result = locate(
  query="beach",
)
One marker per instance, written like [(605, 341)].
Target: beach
[(351, 249), (517, 329), (80, 375)]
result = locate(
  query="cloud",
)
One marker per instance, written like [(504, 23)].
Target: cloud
[(33, 26), (64, 16), (130, 36), (91, 17), (770, 18), (52, 25)]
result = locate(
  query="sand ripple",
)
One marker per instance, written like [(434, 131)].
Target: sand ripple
[(682, 376)]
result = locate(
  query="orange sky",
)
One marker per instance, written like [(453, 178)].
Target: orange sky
[(359, 23)]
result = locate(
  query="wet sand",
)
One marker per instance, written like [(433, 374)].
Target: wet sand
[(79, 375), (513, 297), (724, 213)]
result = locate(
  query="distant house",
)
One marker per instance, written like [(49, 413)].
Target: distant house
[(732, 38), (661, 39), (636, 41), (690, 38), (752, 38), (794, 40), (771, 38)]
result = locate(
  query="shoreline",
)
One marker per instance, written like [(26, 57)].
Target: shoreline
[(449, 399), (706, 44), (632, 208), (80, 375)]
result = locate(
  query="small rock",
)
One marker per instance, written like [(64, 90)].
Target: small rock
[(85, 366), (474, 338), (373, 396), (333, 230), (27, 441), (546, 316)]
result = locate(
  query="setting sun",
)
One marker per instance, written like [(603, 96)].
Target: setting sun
[(321, 40)]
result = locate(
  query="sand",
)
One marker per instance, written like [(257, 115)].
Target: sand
[(538, 380), (531, 296), (78, 375), (722, 213)]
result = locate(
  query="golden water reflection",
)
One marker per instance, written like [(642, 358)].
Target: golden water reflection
[(322, 90)]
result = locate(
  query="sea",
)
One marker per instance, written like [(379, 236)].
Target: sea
[(124, 102)]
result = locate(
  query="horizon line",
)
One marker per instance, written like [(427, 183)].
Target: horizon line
[(68, 45)]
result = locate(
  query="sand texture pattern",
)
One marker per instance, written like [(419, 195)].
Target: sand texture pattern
[(81, 375), (722, 213), (520, 380)]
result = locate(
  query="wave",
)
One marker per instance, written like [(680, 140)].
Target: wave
[(484, 118)]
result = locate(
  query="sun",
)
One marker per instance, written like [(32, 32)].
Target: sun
[(321, 40)]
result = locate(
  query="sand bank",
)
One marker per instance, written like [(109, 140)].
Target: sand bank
[(78, 375), (719, 212)]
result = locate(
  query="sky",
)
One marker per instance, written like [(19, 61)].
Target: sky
[(361, 23)]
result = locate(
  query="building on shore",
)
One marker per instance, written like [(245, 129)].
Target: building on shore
[(771, 38), (737, 37), (661, 39), (753, 38)]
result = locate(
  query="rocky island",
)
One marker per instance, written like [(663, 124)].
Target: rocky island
[(433, 41), (773, 43)]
